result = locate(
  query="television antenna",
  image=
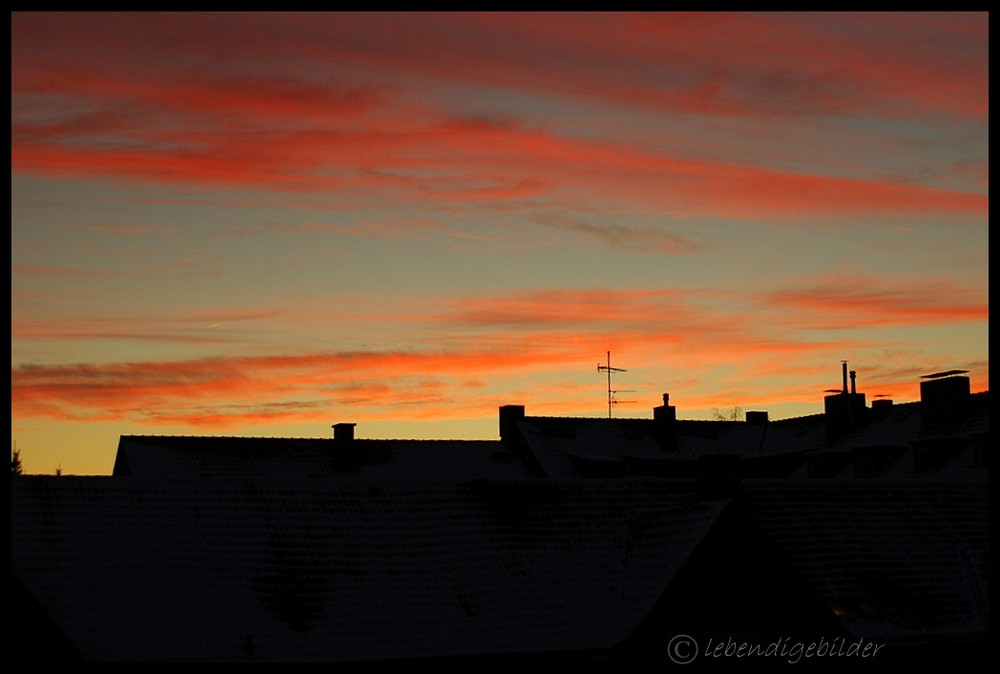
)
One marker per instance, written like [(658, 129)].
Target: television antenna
[(611, 392), (615, 401)]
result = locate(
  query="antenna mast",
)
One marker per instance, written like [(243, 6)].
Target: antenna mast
[(607, 368)]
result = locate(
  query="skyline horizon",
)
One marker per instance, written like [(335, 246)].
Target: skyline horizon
[(732, 414)]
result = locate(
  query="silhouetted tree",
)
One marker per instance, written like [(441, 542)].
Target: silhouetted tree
[(15, 463), (735, 414)]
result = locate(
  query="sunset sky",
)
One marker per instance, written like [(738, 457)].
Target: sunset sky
[(264, 224)]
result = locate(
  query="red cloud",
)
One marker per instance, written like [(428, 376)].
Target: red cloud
[(506, 162), (859, 301), (228, 115)]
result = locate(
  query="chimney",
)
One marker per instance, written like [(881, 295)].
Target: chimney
[(509, 415), (666, 412), (944, 399), (881, 408), (757, 418), (844, 411), (664, 423), (343, 432)]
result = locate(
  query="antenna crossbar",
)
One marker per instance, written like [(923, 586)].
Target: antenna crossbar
[(607, 368)]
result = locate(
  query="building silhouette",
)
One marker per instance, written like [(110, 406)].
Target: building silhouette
[(566, 539)]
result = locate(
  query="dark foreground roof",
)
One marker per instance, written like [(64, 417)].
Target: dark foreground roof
[(339, 549), (894, 559), (276, 570)]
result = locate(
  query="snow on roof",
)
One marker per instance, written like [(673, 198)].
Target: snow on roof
[(555, 440), (560, 443), (207, 456), (892, 442), (893, 558), (900, 426), (784, 436), (156, 569)]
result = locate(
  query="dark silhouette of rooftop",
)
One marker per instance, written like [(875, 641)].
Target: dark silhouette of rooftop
[(565, 539)]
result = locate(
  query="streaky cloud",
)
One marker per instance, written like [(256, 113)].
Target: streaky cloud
[(846, 301), (631, 238)]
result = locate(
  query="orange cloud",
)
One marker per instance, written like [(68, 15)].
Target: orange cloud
[(397, 385), (498, 340)]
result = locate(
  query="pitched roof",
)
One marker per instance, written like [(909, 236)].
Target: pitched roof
[(145, 569), (558, 442), (695, 438), (287, 458)]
